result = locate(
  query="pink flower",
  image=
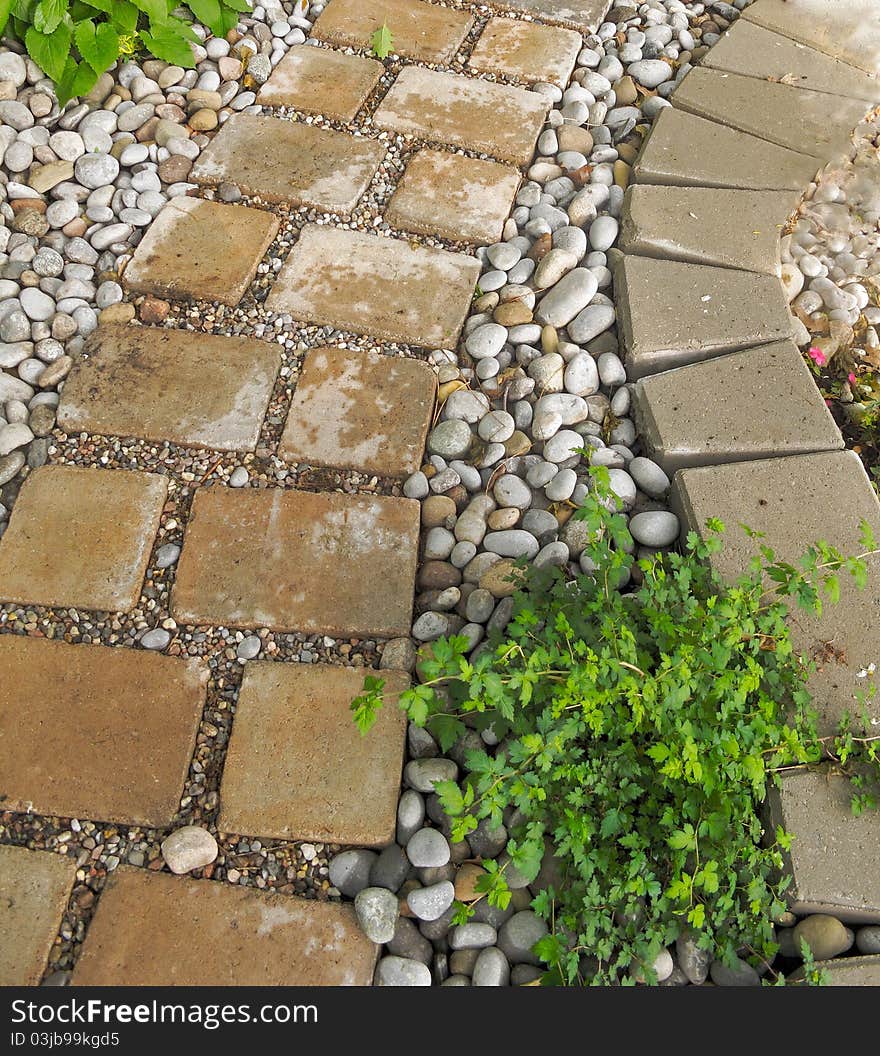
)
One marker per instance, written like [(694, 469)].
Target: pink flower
[(817, 356), (851, 378), (829, 403)]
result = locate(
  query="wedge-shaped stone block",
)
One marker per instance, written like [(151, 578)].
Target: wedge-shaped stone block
[(755, 404), (484, 116), (526, 51), (198, 390), (372, 285), (795, 502), (670, 313), (34, 889), (298, 560), (706, 225), (426, 32), (361, 411), (153, 929), (89, 731), (288, 161), (582, 14), (687, 150), (851, 971), (317, 777), (81, 538), (320, 81), (180, 256)]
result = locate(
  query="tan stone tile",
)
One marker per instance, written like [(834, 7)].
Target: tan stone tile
[(490, 118), (586, 15), (463, 199), (298, 767), (34, 889), (90, 731), (368, 284), (81, 538), (320, 81), (361, 411), (297, 560), (199, 250), (288, 161), (154, 929), (198, 390), (526, 51), (426, 32)]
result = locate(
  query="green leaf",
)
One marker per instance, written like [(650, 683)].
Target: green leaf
[(155, 10), (98, 45), (77, 79), (5, 11), (166, 43), (48, 15), (382, 42), (123, 14), (208, 13), (49, 50)]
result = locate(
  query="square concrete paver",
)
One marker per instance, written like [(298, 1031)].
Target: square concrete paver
[(297, 560), (686, 150), (463, 199), (706, 225), (288, 161), (490, 118), (154, 929), (198, 390), (90, 731), (368, 284), (797, 501), (426, 32), (526, 51), (317, 777), (361, 411), (81, 538), (754, 404), (34, 889), (582, 14), (201, 251), (320, 81), (670, 313)]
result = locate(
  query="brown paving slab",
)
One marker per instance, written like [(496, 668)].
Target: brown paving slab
[(686, 150), (201, 251), (153, 929), (426, 32), (463, 199), (526, 51), (297, 560), (758, 403), (582, 14), (34, 889), (288, 161), (317, 778), (81, 538), (490, 118), (361, 411), (320, 81), (812, 123), (670, 313), (706, 225), (89, 731), (198, 390), (795, 502), (368, 284), (753, 51)]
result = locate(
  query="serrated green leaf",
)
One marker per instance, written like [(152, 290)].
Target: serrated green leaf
[(5, 12), (49, 50), (48, 15), (97, 44)]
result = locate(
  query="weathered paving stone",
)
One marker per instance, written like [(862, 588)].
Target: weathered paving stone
[(90, 731), (361, 411), (198, 390), (753, 51), (296, 560), (687, 150), (670, 313), (317, 777), (795, 502), (178, 257), (81, 538), (425, 32), (151, 929), (749, 405), (526, 51), (34, 889), (320, 81), (289, 161), (851, 971), (582, 14), (463, 199), (373, 285), (490, 118), (810, 122)]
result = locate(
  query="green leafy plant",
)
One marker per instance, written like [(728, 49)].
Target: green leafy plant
[(382, 42)]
